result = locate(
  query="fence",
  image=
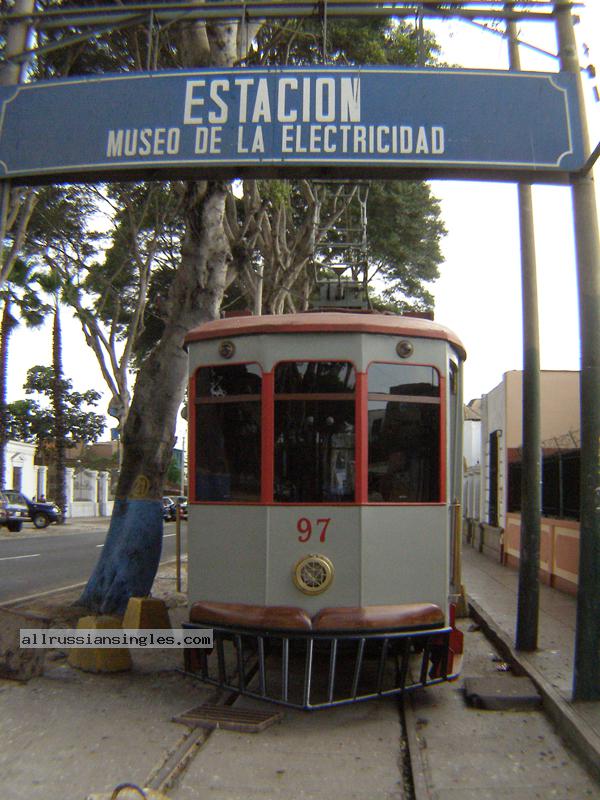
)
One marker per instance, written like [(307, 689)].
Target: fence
[(559, 550)]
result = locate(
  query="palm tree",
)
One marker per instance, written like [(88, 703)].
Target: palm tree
[(58, 405), (17, 294)]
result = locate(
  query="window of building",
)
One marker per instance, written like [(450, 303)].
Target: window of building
[(404, 434), (17, 480), (228, 433), (314, 432), (494, 479)]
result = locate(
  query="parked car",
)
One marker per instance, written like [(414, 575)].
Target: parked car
[(18, 513), (182, 504), (169, 509), (3, 509), (22, 509)]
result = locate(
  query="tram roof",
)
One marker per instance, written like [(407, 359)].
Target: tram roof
[(325, 322)]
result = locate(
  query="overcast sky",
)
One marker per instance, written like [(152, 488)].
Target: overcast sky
[(479, 294)]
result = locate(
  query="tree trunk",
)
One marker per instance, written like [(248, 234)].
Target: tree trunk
[(131, 554)]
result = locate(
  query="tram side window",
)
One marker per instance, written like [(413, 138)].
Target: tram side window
[(228, 433), (314, 432), (404, 434)]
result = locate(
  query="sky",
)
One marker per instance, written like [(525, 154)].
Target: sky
[(479, 292)]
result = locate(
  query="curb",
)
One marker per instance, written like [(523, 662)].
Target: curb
[(582, 738)]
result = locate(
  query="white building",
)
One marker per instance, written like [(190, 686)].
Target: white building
[(502, 431), (87, 490)]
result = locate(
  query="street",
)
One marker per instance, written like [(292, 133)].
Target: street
[(59, 557)]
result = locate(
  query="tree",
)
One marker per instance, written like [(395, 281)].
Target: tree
[(207, 267), (130, 557), (106, 278), (64, 420), (276, 227), (33, 420), (18, 297), (403, 243)]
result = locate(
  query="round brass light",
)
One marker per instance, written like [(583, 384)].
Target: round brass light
[(313, 574), (405, 348), (226, 349)]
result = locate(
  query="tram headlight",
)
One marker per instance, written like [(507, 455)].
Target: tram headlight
[(313, 574), (405, 348)]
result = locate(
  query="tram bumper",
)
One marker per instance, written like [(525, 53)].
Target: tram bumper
[(341, 655)]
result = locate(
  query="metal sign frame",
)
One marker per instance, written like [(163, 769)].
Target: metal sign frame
[(81, 24), (258, 121)]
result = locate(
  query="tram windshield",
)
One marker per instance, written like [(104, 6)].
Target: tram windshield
[(314, 432), (228, 433), (309, 425), (404, 434)]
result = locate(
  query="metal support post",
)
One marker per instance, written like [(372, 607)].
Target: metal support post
[(531, 490), (12, 72), (586, 672)]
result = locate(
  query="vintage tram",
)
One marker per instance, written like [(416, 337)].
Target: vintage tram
[(325, 466)]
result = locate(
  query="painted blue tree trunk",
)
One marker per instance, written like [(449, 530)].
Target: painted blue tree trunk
[(129, 559)]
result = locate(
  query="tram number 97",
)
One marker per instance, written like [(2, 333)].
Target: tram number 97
[(305, 528)]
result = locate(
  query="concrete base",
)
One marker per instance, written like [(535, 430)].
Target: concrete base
[(146, 612), (100, 659)]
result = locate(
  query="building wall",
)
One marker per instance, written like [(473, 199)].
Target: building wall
[(21, 473), (493, 419), (502, 410), (472, 442), (559, 404)]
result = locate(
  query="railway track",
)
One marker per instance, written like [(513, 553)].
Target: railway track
[(416, 748)]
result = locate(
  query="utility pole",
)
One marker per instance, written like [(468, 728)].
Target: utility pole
[(586, 680), (531, 479), (10, 73)]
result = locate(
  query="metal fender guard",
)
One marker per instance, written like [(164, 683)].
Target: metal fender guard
[(307, 668)]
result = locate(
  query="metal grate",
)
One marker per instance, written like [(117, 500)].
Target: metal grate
[(233, 719), (311, 671)]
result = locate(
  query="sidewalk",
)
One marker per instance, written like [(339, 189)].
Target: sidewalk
[(492, 593)]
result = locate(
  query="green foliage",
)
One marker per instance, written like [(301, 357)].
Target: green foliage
[(404, 232), (27, 421), (20, 291), (364, 40), (31, 421), (173, 476)]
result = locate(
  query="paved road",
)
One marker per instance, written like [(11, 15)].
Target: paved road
[(41, 562)]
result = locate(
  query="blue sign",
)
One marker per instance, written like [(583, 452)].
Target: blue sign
[(164, 122)]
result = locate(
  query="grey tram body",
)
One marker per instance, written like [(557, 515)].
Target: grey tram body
[(384, 554)]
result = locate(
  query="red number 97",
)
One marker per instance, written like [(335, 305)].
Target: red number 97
[(304, 528)]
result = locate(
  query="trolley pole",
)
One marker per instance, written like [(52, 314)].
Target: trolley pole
[(531, 486), (586, 672)]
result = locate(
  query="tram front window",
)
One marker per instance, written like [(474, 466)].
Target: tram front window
[(404, 434), (314, 432), (228, 433)]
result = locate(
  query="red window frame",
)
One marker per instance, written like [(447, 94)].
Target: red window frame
[(361, 447), (442, 400)]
